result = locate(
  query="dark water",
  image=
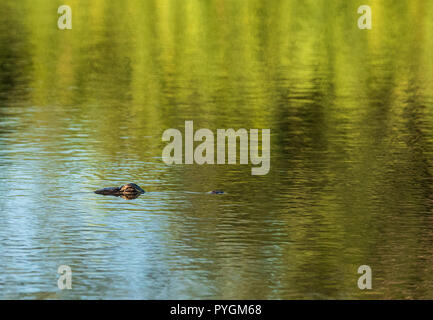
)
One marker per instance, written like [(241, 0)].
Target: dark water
[(351, 119)]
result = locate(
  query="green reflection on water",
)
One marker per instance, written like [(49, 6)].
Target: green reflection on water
[(350, 116)]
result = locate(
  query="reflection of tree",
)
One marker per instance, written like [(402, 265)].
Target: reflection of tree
[(348, 110)]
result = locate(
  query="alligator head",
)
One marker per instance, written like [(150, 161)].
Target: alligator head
[(127, 191)]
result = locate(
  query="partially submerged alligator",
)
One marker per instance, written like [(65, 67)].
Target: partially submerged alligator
[(130, 191)]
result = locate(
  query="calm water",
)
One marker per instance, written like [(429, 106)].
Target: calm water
[(351, 119)]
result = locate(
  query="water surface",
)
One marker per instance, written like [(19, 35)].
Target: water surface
[(351, 118)]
